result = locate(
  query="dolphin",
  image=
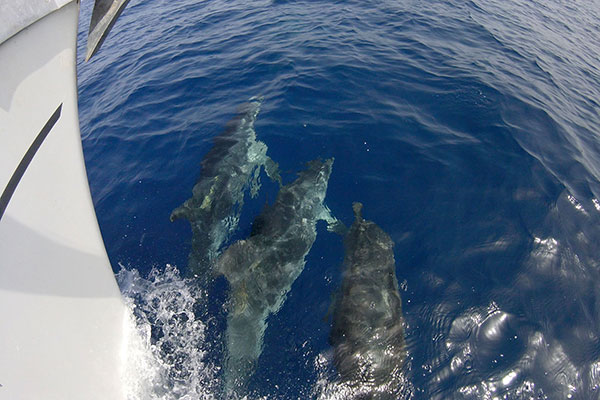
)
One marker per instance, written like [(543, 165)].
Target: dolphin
[(261, 269), (228, 169), (368, 328)]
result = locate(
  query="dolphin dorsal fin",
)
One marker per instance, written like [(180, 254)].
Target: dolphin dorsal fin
[(357, 208), (181, 212)]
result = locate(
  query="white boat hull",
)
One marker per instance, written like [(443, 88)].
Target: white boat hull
[(61, 312)]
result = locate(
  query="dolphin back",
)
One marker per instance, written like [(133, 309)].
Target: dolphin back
[(229, 169), (262, 268), (236, 260), (368, 327)]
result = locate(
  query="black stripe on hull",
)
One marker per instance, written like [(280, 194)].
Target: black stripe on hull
[(9, 190)]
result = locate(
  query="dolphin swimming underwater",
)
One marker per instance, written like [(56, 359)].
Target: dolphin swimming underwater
[(232, 164), (262, 268), (368, 328)]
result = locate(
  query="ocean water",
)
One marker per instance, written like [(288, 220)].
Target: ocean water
[(468, 129)]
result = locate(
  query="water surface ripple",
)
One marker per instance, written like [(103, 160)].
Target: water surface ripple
[(469, 130)]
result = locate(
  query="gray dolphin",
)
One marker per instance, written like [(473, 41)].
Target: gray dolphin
[(261, 269), (232, 164), (368, 328)]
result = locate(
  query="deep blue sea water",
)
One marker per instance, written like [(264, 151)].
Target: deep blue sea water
[(470, 130)]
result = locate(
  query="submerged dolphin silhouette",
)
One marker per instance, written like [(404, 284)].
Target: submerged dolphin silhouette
[(232, 164), (368, 329), (261, 269)]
